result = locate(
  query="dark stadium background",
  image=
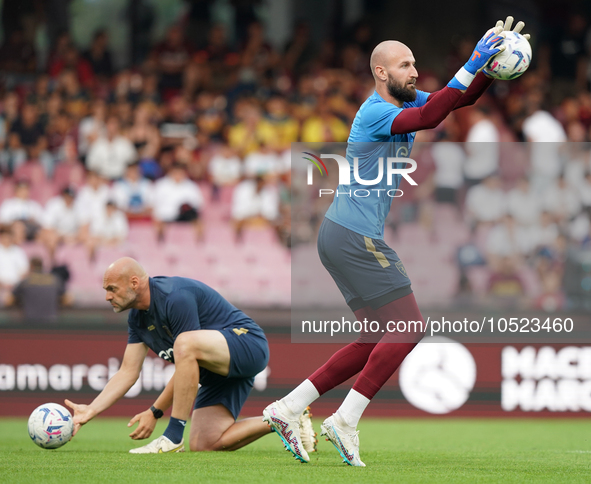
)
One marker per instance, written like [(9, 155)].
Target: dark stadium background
[(236, 57)]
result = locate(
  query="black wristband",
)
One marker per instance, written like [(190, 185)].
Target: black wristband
[(156, 411)]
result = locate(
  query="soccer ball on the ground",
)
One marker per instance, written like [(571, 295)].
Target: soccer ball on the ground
[(513, 61), (50, 426)]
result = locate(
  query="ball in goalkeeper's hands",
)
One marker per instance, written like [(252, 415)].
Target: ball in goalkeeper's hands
[(513, 61)]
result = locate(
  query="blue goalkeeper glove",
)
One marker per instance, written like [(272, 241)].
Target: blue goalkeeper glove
[(506, 27), (485, 50)]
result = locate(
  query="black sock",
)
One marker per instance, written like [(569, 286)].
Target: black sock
[(175, 430)]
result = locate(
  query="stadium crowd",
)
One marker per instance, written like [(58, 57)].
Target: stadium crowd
[(87, 148)]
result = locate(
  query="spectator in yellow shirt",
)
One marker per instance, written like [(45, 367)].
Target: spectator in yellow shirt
[(247, 134), (324, 126), (279, 128)]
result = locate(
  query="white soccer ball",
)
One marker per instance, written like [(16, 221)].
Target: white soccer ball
[(50, 426), (513, 61)]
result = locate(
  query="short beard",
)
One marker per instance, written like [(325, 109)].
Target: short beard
[(399, 91), (129, 301)]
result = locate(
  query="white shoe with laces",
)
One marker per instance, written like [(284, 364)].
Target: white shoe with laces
[(287, 426), (161, 445), (346, 441), (307, 434)]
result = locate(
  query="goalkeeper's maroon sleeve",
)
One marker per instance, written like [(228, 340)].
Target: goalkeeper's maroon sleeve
[(478, 87), (428, 116), (480, 84)]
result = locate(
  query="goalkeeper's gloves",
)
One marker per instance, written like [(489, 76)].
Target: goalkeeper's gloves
[(485, 50), (506, 26)]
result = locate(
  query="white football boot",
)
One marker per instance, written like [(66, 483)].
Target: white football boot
[(161, 445), (345, 441), (281, 421), (307, 434)]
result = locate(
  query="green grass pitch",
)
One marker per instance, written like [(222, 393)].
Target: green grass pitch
[(414, 451)]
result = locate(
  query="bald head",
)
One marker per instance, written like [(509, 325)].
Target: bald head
[(126, 267), (387, 53), (393, 68), (127, 285)]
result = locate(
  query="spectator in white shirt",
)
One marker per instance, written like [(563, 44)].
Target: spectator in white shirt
[(92, 127), (507, 239), (61, 221), (133, 193), (486, 202), (92, 198), (449, 179), (109, 228), (253, 201), (285, 162), (14, 264), (561, 200), (482, 147), (547, 136), (25, 215), (109, 155), (577, 163), (544, 235), (261, 162), (225, 169), (177, 199), (541, 126), (523, 204)]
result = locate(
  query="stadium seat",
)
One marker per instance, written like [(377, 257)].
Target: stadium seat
[(260, 237), (85, 284), (105, 256), (452, 234), (216, 213), (141, 233), (226, 194), (31, 172), (180, 233), (34, 249), (414, 234), (6, 189), (68, 175), (74, 254), (446, 214), (531, 281), (218, 233), (513, 162), (482, 236), (43, 191), (206, 191), (479, 277)]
